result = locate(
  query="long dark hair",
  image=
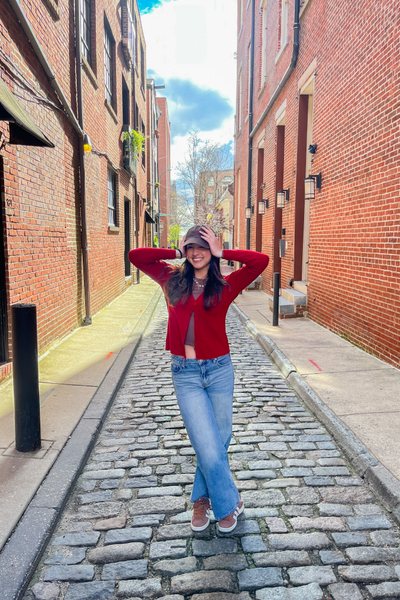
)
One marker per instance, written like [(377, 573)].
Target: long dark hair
[(180, 284)]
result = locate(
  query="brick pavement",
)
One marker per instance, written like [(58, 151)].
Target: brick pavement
[(311, 528)]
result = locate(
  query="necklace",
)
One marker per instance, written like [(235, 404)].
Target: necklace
[(201, 283)]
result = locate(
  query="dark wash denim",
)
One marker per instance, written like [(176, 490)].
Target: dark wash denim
[(204, 390)]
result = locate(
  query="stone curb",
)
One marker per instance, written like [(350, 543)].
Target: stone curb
[(23, 550), (385, 485)]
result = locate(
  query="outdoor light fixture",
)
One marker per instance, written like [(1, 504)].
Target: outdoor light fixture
[(262, 205), (248, 212), (310, 183), (281, 197), (87, 144)]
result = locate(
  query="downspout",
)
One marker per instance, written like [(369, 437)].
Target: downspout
[(251, 95), (295, 54), (16, 7), (82, 171)]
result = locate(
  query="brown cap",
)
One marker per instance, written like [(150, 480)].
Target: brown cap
[(193, 236)]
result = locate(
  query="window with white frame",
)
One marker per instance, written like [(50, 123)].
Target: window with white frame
[(112, 196), (109, 65), (283, 24), (263, 69), (86, 30)]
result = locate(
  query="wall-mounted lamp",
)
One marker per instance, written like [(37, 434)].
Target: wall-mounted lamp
[(310, 183), (87, 144), (281, 197), (262, 206), (248, 212)]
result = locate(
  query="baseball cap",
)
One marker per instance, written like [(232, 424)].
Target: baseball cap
[(193, 236)]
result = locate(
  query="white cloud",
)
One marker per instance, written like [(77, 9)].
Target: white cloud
[(195, 40)]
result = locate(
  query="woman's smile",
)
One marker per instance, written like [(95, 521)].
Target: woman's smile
[(198, 257)]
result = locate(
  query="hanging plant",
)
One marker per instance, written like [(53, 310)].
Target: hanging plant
[(136, 141)]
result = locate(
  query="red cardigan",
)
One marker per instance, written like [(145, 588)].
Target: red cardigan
[(209, 325)]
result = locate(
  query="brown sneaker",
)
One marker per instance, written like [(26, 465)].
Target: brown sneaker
[(229, 523), (201, 514)]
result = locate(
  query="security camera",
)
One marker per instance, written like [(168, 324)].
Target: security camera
[(312, 148)]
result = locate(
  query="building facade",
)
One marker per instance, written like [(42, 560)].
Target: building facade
[(164, 170), (317, 159), (68, 218)]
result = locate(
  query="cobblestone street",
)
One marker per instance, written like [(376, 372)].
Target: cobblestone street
[(311, 528)]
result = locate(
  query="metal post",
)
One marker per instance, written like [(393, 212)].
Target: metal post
[(277, 285), (26, 377)]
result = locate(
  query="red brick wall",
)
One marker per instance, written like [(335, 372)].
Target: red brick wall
[(40, 219), (41, 193), (164, 169), (354, 249)]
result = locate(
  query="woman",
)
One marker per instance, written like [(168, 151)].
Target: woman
[(198, 297)]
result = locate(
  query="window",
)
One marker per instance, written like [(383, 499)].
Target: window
[(263, 70), (86, 30), (109, 65), (128, 31), (210, 198), (210, 182), (112, 197), (136, 118), (283, 24), (126, 119), (144, 145)]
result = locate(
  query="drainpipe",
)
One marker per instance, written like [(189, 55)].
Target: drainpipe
[(251, 94), (295, 54), (84, 244), (39, 53)]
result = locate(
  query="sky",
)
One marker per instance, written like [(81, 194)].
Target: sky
[(190, 48)]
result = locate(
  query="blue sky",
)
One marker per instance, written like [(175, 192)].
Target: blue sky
[(190, 48), (148, 5)]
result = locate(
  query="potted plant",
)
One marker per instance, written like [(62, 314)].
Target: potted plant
[(135, 140)]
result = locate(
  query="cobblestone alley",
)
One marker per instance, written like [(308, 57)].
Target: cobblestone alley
[(311, 528)]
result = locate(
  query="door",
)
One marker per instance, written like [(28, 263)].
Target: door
[(304, 158), (259, 195)]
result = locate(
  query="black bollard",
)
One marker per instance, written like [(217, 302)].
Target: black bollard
[(277, 285), (26, 377)]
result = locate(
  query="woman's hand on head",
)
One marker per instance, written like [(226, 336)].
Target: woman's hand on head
[(215, 245)]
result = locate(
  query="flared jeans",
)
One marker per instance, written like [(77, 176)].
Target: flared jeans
[(204, 390)]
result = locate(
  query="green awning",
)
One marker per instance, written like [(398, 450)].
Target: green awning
[(22, 129)]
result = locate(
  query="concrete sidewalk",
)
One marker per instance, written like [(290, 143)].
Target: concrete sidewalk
[(355, 395), (86, 365)]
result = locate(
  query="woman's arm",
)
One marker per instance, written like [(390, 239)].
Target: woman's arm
[(149, 260), (254, 264)]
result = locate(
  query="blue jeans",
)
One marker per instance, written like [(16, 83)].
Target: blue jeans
[(204, 390)]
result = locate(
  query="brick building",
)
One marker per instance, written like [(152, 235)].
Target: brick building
[(317, 95), (69, 218), (164, 170)]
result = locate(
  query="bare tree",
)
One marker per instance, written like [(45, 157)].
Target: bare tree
[(202, 172)]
